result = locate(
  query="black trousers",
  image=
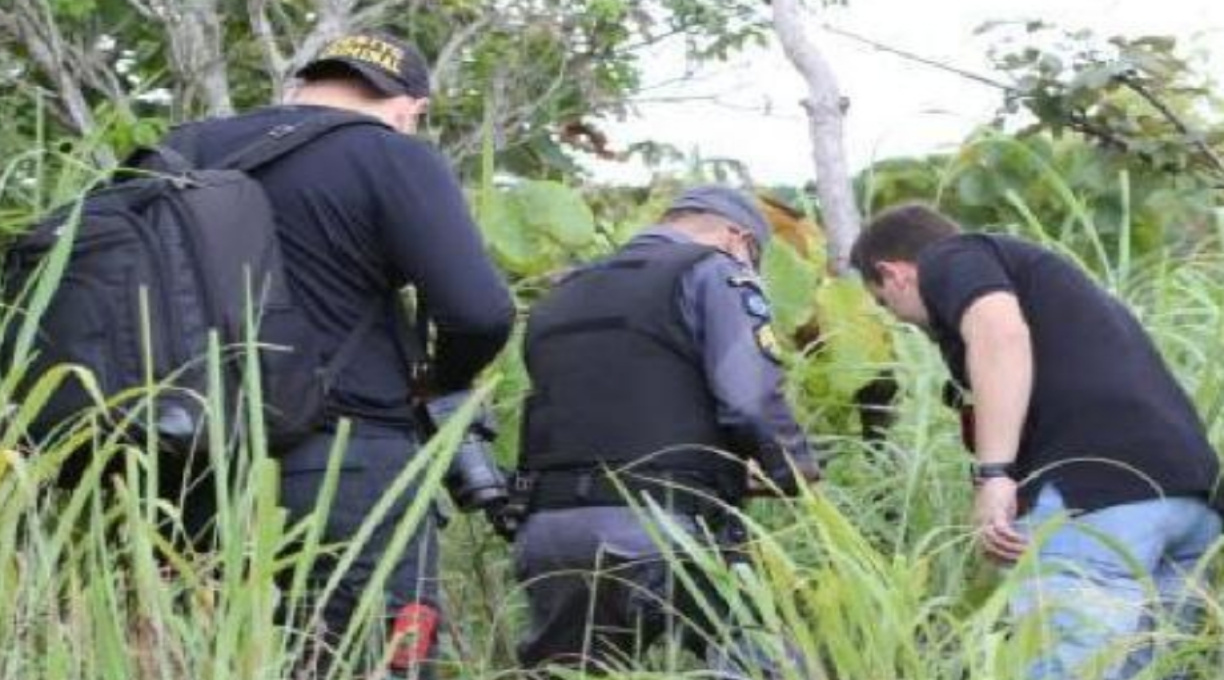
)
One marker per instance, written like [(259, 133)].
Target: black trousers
[(600, 594), (374, 458)]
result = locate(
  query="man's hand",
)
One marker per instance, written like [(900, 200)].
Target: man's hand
[(784, 481), (505, 520), (994, 515)]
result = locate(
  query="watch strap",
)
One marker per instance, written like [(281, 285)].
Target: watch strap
[(983, 471)]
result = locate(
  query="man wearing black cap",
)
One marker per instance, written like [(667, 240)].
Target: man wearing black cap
[(657, 365), (363, 211)]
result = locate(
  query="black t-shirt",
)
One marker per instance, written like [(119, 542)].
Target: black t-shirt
[(362, 212), (1107, 422)]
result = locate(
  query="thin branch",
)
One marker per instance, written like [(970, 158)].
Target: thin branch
[(1078, 121), (37, 30), (911, 56), (1173, 118), (86, 58), (679, 29), (334, 18), (448, 56), (8, 25), (377, 12), (275, 63), (508, 116), (144, 9)]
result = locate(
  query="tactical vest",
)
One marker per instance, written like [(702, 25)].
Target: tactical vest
[(618, 382)]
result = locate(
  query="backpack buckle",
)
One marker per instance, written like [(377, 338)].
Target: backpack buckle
[(282, 130)]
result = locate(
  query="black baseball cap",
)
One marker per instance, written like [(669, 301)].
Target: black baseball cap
[(391, 66)]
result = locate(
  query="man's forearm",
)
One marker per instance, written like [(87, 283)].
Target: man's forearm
[(460, 357), (1000, 364)]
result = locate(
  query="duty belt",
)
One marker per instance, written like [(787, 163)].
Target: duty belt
[(682, 492)]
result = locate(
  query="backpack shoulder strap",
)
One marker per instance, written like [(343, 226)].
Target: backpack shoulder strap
[(409, 340), (284, 139), (347, 350), (160, 158)]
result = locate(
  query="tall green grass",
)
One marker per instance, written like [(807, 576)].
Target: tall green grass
[(100, 580), (873, 576)]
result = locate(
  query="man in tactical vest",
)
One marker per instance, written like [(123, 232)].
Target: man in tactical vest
[(658, 364), (362, 212)]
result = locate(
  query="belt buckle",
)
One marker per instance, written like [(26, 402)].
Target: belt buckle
[(521, 482)]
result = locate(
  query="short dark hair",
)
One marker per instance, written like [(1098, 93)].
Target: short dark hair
[(338, 72), (899, 233)]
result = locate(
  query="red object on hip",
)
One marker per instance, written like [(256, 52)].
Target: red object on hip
[(414, 633)]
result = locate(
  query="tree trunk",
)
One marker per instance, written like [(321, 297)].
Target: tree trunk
[(824, 109), (195, 32), (31, 23)]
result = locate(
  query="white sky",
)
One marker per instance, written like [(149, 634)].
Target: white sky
[(896, 107)]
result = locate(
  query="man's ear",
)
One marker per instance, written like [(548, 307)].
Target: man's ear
[(899, 271), (885, 271), (419, 106)]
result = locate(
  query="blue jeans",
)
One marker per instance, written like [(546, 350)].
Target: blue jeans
[(1097, 575)]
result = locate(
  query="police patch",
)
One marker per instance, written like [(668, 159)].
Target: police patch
[(750, 294), (756, 305), (767, 341)]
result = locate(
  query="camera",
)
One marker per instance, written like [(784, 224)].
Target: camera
[(474, 481)]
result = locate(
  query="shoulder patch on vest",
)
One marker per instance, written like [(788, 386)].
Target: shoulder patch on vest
[(767, 341), (755, 304), (752, 296), (758, 308)]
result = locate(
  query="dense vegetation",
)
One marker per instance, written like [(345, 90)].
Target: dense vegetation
[(874, 575)]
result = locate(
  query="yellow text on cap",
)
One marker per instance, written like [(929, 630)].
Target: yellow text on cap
[(370, 50)]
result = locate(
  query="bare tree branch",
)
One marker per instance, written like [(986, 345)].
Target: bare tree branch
[(195, 32), (8, 25), (448, 57), (334, 18), (1197, 138), (506, 114), (85, 56), (824, 108), (36, 29), (378, 11), (275, 62), (917, 58), (144, 9)]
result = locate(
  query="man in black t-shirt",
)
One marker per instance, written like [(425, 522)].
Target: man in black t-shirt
[(1070, 409), (362, 212)]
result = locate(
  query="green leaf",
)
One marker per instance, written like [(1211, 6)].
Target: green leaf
[(855, 343), (790, 280), (973, 189), (507, 233), (555, 212)]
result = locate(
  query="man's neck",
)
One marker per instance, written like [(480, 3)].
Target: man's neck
[(335, 97)]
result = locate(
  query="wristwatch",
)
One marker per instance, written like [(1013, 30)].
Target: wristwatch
[(984, 471)]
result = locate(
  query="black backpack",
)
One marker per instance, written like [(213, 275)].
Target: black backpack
[(169, 256)]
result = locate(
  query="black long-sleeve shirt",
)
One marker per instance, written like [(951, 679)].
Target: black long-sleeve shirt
[(363, 212)]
